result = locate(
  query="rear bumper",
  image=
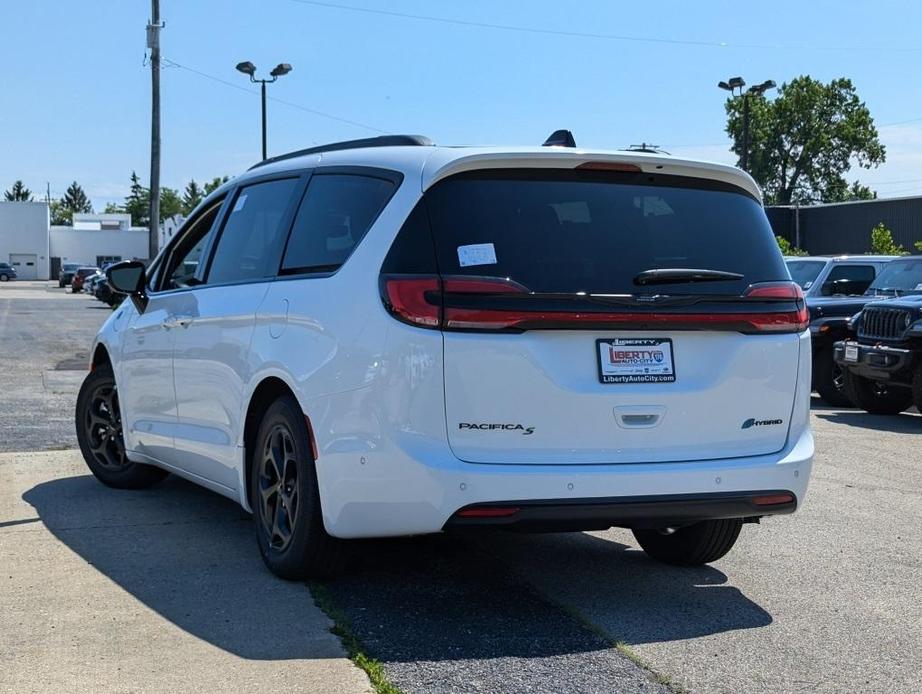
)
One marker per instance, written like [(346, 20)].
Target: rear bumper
[(877, 362), (630, 512), (407, 492)]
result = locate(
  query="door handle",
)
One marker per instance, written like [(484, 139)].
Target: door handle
[(177, 322)]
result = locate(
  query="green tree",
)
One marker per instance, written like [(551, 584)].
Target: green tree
[(918, 245), (18, 193), (882, 242), (191, 197), (60, 215), (215, 183), (137, 202), (170, 203), (113, 208), (75, 200), (787, 248), (802, 142)]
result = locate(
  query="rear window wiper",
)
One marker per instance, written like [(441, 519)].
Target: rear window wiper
[(669, 275)]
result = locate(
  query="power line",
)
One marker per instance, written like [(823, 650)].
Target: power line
[(172, 63), (593, 35)]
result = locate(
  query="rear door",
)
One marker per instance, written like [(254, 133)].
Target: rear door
[(562, 347)]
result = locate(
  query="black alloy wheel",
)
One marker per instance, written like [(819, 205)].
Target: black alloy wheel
[(278, 488), (98, 422)]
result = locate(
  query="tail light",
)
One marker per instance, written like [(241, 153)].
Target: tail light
[(420, 300)]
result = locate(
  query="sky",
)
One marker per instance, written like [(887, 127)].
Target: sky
[(75, 90)]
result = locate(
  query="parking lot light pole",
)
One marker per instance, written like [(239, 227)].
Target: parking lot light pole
[(735, 86), (247, 68)]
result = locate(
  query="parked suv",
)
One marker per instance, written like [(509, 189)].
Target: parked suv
[(836, 288), (7, 272), (882, 359), (385, 337)]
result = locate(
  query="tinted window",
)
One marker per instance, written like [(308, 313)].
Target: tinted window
[(593, 232), (901, 275), (254, 231), (805, 272), (853, 273), (336, 212), (187, 254)]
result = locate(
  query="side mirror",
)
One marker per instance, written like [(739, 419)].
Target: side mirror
[(129, 277)]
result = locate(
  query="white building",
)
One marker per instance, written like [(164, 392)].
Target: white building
[(24, 238), (36, 249), (96, 239)]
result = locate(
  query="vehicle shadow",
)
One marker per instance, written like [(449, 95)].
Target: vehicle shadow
[(472, 597), (907, 423), (190, 556)]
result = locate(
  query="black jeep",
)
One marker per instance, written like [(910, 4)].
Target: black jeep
[(882, 358)]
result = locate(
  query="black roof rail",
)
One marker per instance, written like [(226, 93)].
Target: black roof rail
[(380, 141)]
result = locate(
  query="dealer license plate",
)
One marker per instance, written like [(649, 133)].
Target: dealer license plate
[(636, 360)]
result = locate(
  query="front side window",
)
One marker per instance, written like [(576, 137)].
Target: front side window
[(254, 232), (182, 270), (899, 277), (335, 214)]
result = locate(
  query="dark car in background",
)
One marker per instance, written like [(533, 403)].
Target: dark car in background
[(66, 275), (836, 288), (7, 272), (80, 276), (881, 358)]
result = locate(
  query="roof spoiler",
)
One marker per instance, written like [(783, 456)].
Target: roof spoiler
[(560, 138)]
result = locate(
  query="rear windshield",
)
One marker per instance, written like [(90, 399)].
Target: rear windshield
[(805, 272), (900, 275), (594, 232)]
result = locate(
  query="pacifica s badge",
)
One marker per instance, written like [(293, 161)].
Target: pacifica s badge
[(524, 430)]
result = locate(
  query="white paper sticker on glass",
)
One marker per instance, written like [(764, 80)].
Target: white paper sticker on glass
[(476, 254)]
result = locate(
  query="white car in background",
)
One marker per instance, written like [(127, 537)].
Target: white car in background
[(385, 337)]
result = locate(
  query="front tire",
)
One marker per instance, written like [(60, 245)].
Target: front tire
[(829, 379), (286, 499), (875, 397), (692, 545), (99, 433), (4, 278)]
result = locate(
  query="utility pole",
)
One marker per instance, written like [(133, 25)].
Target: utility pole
[(744, 160), (153, 43)]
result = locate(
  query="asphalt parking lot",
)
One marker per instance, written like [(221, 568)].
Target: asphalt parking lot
[(163, 590)]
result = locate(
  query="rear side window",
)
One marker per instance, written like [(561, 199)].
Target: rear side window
[(571, 231), (254, 232), (335, 214)]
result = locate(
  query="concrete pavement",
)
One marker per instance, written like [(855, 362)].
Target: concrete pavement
[(160, 590)]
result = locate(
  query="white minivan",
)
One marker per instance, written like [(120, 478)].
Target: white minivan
[(385, 337)]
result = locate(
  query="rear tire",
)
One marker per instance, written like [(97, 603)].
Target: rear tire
[(285, 498), (829, 379), (99, 433), (877, 398), (692, 545)]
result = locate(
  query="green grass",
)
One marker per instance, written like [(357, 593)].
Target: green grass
[(350, 641)]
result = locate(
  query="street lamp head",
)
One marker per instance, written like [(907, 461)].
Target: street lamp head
[(737, 83), (247, 68), (280, 69), (760, 89), (724, 85), (768, 84)]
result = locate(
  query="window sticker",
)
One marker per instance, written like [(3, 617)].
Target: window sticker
[(476, 254), (241, 201)]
